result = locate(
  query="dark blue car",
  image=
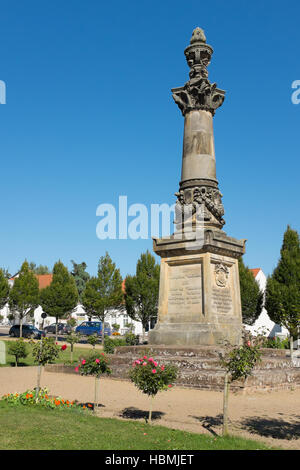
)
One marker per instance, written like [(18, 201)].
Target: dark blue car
[(88, 328)]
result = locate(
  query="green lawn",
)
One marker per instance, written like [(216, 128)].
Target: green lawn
[(36, 428), (64, 356)]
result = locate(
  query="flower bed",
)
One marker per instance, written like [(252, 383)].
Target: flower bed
[(43, 398)]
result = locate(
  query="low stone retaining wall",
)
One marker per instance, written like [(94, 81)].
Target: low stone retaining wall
[(199, 367)]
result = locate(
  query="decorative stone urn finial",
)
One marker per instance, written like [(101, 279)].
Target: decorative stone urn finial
[(198, 36), (198, 93)]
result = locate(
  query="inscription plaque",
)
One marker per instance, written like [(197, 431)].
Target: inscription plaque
[(221, 300), (185, 291)]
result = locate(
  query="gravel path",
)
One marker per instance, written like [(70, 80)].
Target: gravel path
[(272, 417)]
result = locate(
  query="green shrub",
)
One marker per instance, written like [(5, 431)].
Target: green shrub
[(111, 343), (18, 349), (131, 339), (93, 340), (277, 343)]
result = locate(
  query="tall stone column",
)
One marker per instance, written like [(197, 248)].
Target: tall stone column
[(199, 298)]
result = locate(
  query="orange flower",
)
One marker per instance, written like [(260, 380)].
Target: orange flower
[(57, 402), (46, 396), (30, 396), (84, 407), (63, 401), (90, 406), (27, 396), (67, 402)]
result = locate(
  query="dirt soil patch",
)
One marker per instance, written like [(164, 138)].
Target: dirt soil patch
[(272, 417)]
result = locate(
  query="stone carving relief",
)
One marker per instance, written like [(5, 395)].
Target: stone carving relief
[(221, 274), (203, 202)]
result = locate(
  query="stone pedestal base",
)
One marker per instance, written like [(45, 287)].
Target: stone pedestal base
[(196, 334), (199, 297)]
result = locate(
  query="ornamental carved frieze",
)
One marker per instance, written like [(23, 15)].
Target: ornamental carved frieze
[(203, 201), (198, 92)]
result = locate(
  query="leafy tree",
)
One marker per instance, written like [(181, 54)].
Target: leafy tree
[(38, 269), (61, 296), (251, 295), (103, 292), (18, 349), (283, 286), (81, 277), (4, 289), (141, 291), (24, 294)]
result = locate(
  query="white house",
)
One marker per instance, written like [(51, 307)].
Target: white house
[(264, 325)]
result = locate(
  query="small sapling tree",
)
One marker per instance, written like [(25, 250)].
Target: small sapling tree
[(238, 363), (96, 364), (44, 351), (150, 378), (72, 338)]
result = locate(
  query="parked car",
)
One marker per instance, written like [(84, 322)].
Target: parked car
[(28, 331), (88, 328), (62, 328)]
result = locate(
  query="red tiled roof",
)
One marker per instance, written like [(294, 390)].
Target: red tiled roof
[(255, 271), (44, 280)]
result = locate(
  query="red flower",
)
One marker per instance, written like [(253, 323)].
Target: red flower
[(64, 346)]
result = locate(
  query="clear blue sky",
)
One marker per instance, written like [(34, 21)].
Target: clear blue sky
[(90, 116)]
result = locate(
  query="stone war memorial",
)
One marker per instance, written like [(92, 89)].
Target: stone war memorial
[(199, 294), (199, 297)]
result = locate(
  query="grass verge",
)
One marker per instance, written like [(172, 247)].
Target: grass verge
[(36, 428)]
